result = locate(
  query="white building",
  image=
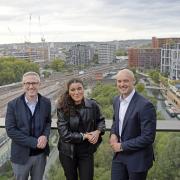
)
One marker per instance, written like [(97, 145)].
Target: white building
[(80, 54), (106, 53), (170, 60)]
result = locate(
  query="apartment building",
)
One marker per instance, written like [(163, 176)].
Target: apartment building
[(164, 55), (133, 56), (28, 51), (160, 42), (106, 53), (170, 60), (80, 54), (144, 58)]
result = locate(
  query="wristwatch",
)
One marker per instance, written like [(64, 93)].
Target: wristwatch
[(82, 134)]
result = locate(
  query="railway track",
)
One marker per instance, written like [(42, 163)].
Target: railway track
[(46, 89)]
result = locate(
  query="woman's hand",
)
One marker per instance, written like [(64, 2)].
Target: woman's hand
[(93, 136)]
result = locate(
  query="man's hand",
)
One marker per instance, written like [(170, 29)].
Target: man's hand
[(42, 141), (116, 147), (113, 139)]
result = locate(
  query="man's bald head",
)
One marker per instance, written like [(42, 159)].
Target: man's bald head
[(126, 72), (125, 82)]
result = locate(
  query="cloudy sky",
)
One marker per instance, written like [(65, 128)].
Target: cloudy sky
[(83, 20)]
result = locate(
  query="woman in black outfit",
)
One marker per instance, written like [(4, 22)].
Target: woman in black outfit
[(80, 126)]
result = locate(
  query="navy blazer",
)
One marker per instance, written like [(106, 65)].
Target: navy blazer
[(138, 133), (18, 128)]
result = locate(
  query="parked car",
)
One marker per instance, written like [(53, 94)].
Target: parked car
[(167, 104), (178, 116), (170, 112)]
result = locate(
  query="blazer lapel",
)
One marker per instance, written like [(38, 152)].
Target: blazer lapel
[(41, 113), (129, 111), (24, 115), (117, 106)]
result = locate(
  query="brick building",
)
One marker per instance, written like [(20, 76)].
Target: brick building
[(144, 58)]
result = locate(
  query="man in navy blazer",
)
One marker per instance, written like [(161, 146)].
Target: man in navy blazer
[(133, 131), (28, 123)]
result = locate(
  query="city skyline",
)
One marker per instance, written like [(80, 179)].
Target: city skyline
[(97, 20)]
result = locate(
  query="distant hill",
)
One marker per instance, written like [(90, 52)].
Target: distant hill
[(120, 44)]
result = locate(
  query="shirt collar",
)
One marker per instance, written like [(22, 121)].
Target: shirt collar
[(128, 98), (30, 102)]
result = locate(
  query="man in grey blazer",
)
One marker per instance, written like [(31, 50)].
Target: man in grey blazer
[(28, 123), (133, 131)]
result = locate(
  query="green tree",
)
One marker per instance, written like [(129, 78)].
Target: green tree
[(167, 155), (104, 95), (140, 87), (57, 65), (12, 70), (121, 52), (95, 58), (154, 76), (46, 74)]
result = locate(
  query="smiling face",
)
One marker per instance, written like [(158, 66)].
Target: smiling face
[(76, 92), (125, 82), (31, 86)]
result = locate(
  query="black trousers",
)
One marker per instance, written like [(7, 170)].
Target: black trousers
[(81, 165)]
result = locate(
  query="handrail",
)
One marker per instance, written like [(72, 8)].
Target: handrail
[(162, 125)]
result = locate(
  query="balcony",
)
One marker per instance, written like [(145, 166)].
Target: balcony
[(102, 157)]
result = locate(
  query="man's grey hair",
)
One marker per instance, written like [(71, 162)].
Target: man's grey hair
[(31, 73)]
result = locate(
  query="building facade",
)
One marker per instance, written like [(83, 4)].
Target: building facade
[(106, 53), (170, 60), (29, 51), (80, 54), (144, 58), (160, 42)]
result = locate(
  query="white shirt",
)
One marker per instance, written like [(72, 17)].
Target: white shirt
[(31, 105), (124, 103)]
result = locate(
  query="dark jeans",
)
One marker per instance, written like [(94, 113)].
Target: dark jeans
[(120, 172), (82, 164)]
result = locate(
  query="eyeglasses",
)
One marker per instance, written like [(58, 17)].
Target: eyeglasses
[(31, 83)]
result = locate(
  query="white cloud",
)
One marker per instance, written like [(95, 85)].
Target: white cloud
[(100, 20)]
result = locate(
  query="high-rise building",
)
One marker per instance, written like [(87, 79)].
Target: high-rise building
[(106, 53), (175, 64), (170, 60), (80, 54)]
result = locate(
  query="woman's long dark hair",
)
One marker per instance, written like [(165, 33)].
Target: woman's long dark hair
[(65, 102)]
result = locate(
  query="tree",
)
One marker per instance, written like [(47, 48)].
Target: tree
[(167, 155), (95, 58), (12, 69), (57, 65), (121, 52), (140, 87), (154, 76), (46, 74)]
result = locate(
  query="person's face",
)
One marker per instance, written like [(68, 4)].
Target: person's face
[(125, 83), (76, 91), (31, 86)]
